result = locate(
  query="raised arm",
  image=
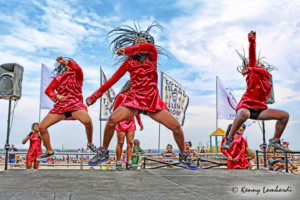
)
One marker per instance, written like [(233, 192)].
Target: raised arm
[(108, 84), (76, 68), (136, 49), (252, 49), (27, 138)]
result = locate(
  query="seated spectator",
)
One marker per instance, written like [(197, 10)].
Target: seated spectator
[(292, 167), (137, 150), (169, 152), (188, 145)]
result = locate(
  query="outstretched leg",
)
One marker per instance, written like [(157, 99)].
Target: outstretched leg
[(164, 117), (85, 119), (120, 114), (242, 115), (282, 118), (48, 121)]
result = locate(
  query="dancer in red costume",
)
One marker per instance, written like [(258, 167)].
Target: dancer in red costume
[(237, 154), (139, 54), (252, 104), (35, 148), (66, 91), (125, 128)]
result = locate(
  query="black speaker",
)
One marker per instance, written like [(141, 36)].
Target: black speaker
[(271, 98), (11, 76)]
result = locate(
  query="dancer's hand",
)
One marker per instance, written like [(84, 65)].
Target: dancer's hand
[(88, 102), (141, 128), (61, 60), (235, 160), (252, 33), (121, 51), (61, 98), (230, 158), (244, 71)]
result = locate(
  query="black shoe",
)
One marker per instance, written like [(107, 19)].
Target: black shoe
[(227, 143), (130, 166), (276, 144), (93, 148), (100, 157), (45, 156), (186, 160), (119, 166)]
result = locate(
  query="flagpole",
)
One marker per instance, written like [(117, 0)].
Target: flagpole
[(216, 114), (40, 95), (100, 109)]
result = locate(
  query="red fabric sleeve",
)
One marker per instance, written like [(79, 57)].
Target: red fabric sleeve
[(243, 149), (136, 49), (108, 84), (224, 151), (252, 51), (76, 68), (50, 91), (118, 101), (138, 118)]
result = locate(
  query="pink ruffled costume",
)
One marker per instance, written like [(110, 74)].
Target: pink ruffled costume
[(144, 94), (128, 124), (68, 84)]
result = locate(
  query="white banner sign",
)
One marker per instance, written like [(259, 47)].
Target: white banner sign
[(46, 78), (107, 100), (174, 96)]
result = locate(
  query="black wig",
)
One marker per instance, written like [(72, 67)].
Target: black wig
[(245, 61), (60, 68), (126, 35)]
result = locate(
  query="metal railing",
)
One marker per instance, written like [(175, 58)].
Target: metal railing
[(278, 153), (81, 158)]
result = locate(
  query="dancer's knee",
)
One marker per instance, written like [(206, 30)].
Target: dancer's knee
[(130, 143), (87, 122), (176, 128), (112, 121), (243, 115), (285, 117), (120, 143), (42, 128)]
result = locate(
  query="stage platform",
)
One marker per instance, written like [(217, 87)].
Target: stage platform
[(148, 184)]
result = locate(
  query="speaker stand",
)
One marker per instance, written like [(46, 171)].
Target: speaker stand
[(7, 137), (264, 143)]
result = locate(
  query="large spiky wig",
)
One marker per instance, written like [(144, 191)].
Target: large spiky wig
[(245, 61), (60, 68), (126, 35)]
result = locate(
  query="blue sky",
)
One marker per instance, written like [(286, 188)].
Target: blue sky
[(200, 38)]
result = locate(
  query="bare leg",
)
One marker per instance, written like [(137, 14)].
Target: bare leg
[(242, 115), (121, 137), (129, 138), (165, 118), (36, 164), (48, 121), (28, 165), (85, 119), (120, 114), (282, 118)]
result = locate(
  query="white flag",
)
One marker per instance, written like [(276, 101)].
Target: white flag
[(106, 100), (226, 103), (174, 97), (46, 78)]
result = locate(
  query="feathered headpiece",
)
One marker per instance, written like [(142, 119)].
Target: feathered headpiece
[(245, 61), (126, 36), (60, 68)]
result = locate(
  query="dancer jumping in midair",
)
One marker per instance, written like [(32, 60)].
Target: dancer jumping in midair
[(125, 128), (66, 91), (252, 104), (139, 54)]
